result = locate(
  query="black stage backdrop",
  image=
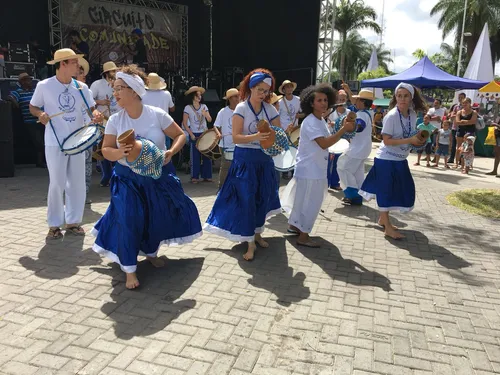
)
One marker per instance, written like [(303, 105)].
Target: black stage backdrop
[(259, 33)]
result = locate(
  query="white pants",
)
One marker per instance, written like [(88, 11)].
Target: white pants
[(302, 198), (351, 172), (67, 175)]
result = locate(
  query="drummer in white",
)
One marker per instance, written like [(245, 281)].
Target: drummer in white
[(63, 97), (224, 122)]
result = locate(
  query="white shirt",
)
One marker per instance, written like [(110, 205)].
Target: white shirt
[(56, 97), (437, 112), (393, 125), (444, 136), (335, 115), (224, 121), (361, 145), (312, 160), (267, 112), (288, 110), (158, 98), (197, 122), (149, 125), (101, 90)]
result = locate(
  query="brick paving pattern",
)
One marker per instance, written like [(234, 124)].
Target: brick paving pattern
[(429, 304)]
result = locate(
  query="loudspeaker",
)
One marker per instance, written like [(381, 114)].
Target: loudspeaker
[(6, 140), (211, 96)]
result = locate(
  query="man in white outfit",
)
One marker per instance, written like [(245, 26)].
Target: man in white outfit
[(64, 98), (351, 165)]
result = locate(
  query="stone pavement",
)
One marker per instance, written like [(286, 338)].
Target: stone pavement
[(361, 304)]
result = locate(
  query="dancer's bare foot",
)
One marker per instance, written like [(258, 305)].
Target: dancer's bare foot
[(157, 262), (392, 233), (250, 251), (132, 281), (260, 241), (392, 226)]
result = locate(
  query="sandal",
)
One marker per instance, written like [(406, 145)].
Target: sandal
[(77, 230), (194, 181), (54, 234)]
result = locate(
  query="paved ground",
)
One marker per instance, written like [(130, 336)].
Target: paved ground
[(360, 305)]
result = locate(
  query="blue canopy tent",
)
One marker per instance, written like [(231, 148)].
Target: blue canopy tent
[(425, 75)]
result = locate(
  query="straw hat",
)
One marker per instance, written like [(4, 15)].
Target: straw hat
[(108, 66), (365, 94), (230, 93), (194, 89), (64, 54), (155, 82), (287, 82), (275, 98), (84, 64)]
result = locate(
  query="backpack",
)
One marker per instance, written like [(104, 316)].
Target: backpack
[(480, 124)]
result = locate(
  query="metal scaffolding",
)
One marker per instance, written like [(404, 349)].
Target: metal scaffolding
[(56, 33), (325, 39)]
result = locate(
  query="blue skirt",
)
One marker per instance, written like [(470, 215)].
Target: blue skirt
[(391, 183), (248, 197), (144, 214), (332, 174)]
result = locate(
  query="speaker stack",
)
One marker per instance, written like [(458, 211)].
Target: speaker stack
[(19, 60)]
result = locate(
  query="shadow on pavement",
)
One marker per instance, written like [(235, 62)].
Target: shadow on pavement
[(155, 304), (270, 271), (330, 260)]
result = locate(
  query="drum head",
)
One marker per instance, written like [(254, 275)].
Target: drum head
[(80, 136), (285, 161), (294, 136), (341, 146), (206, 141)]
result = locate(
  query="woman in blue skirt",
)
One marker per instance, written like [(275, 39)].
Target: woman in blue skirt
[(144, 213), (250, 193), (390, 180)]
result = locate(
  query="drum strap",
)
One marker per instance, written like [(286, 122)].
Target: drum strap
[(288, 110), (88, 110)]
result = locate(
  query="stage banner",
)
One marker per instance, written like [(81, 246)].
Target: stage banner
[(107, 26)]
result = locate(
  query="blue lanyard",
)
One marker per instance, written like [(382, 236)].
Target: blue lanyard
[(405, 134), (255, 114)]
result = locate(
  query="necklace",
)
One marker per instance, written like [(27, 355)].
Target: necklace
[(406, 133)]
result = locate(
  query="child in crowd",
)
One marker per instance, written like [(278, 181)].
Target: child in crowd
[(444, 141), (467, 152), (426, 125)]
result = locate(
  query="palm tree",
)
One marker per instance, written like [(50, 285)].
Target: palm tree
[(352, 55), (419, 53), (449, 58), (478, 13), (353, 15), (383, 56)]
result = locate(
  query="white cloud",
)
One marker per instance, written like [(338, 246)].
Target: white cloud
[(406, 29)]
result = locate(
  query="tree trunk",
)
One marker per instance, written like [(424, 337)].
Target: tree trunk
[(342, 57)]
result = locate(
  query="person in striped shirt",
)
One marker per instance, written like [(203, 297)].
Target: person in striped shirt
[(21, 98)]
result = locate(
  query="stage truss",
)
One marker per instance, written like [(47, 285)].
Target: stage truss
[(325, 40), (56, 36)]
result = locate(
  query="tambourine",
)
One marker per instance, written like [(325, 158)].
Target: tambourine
[(351, 117), (279, 138)]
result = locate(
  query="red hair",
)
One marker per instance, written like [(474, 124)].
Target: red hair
[(245, 84)]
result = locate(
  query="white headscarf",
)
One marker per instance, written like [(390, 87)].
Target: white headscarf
[(406, 86), (134, 81)]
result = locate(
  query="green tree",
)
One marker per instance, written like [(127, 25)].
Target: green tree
[(419, 53), (478, 13), (354, 51), (352, 15), (380, 72)]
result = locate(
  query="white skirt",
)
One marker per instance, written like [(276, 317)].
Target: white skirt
[(302, 199)]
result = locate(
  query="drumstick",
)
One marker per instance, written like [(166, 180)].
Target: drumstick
[(51, 117)]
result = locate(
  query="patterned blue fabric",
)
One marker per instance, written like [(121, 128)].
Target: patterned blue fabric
[(280, 144), (23, 97), (149, 163)]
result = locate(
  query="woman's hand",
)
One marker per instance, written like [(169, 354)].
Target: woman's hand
[(417, 141), (124, 150), (168, 157), (262, 136), (193, 137)]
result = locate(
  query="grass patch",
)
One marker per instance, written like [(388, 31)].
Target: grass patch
[(484, 202)]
